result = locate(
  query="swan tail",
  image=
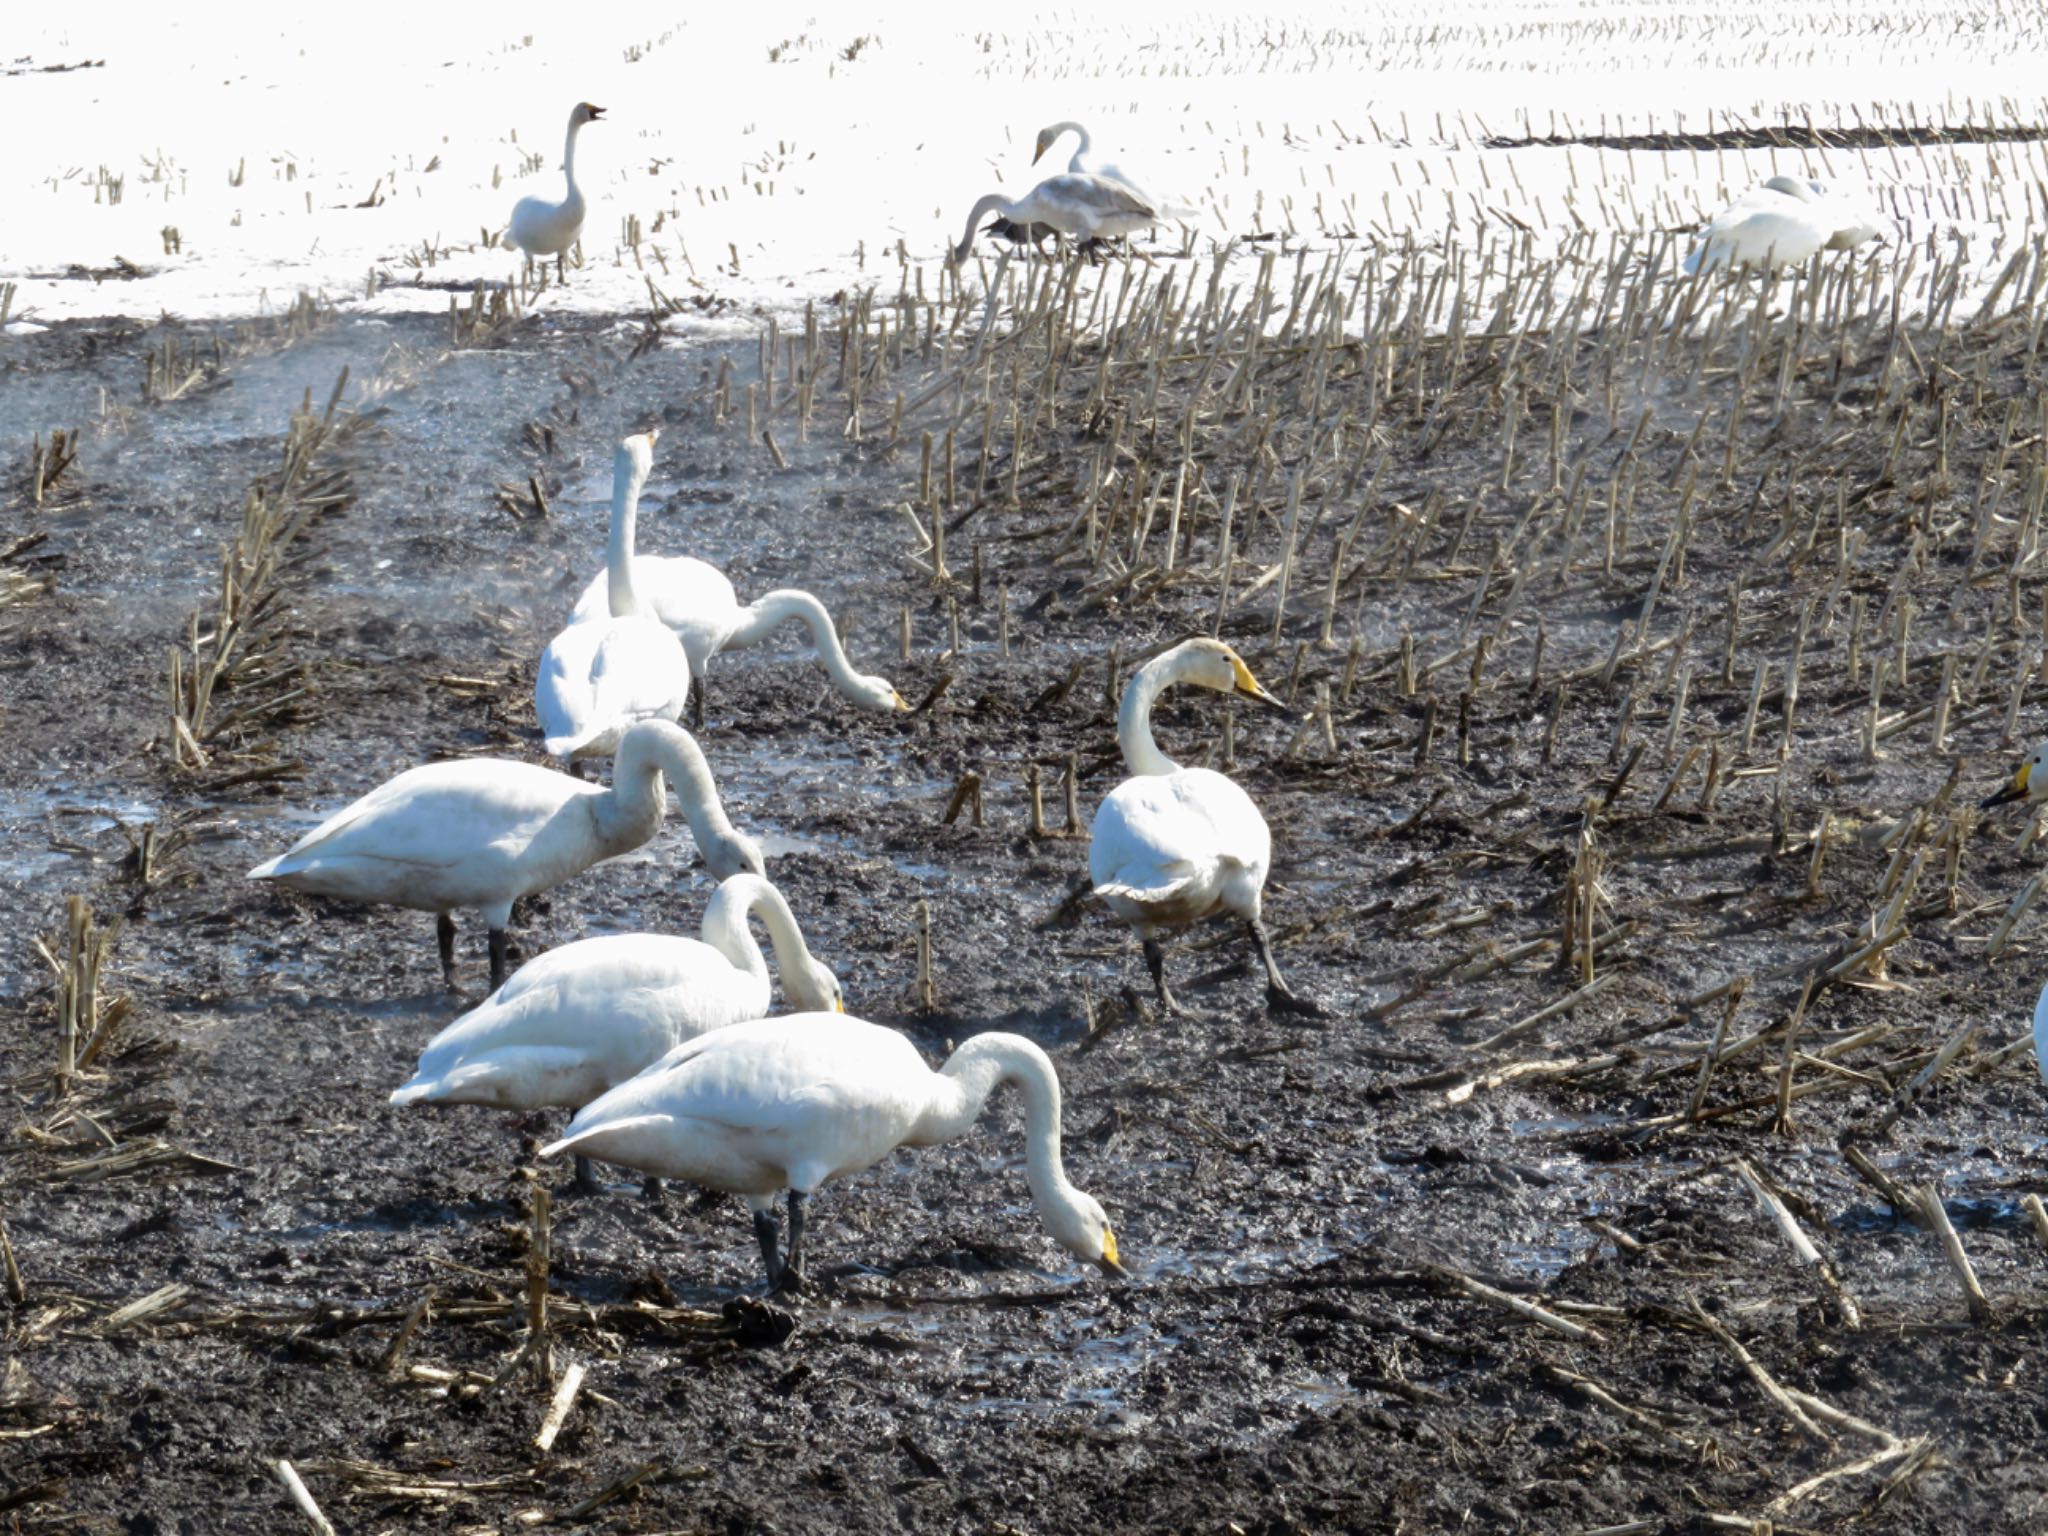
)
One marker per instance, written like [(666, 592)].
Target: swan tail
[(421, 1090), (605, 1128), (1693, 259), (269, 869), (507, 241), (1168, 894), (569, 746)]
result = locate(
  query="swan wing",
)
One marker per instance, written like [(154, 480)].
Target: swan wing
[(583, 1018), (1100, 196), (1165, 846), (595, 679), (433, 817), (690, 596)]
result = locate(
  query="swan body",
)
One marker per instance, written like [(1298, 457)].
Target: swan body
[(1078, 207), (585, 1017), (619, 664), (1173, 845), (476, 834), (697, 602), (793, 1103), (542, 228), (1782, 223)]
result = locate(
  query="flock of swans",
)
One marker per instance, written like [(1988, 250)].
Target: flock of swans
[(663, 1046)]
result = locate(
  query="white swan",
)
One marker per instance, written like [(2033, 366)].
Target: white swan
[(1782, 223), (542, 228), (1079, 207), (620, 664), (585, 1017), (1173, 845), (478, 833), (795, 1102), (695, 599), (1083, 162)]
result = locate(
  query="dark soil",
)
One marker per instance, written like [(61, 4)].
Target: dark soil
[(1297, 1200)]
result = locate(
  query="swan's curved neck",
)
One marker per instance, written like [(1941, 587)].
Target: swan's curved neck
[(569, 157), (620, 592), (995, 202), (726, 930), (1081, 149), (962, 1086), (770, 610), (1134, 719), (646, 752)]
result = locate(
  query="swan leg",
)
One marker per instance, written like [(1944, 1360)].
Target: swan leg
[(770, 1237), (444, 936), (1155, 962), (792, 1276), (498, 954), (1280, 998), (586, 1181), (697, 691), (650, 1188)]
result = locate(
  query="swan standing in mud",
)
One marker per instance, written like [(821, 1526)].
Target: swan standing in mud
[(1172, 845), (1782, 223), (696, 600), (1080, 208), (793, 1103), (542, 228), (478, 833), (620, 666), (584, 1018)]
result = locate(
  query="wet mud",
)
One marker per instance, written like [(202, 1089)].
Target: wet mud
[(1328, 1221)]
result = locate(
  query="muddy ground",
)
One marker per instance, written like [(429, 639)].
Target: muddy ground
[(1295, 1349)]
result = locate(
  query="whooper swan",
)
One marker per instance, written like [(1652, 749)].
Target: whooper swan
[(620, 665), (792, 1103), (1077, 207), (542, 228), (1173, 845), (478, 833)]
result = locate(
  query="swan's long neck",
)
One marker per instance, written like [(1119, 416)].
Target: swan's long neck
[(1081, 149), (628, 813), (1134, 719), (962, 1086), (995, 202), (628, 476), (769, 611), (725, 924), (569, 158), (681, 759)]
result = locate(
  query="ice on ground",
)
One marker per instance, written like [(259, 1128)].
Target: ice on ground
[(166, 159)]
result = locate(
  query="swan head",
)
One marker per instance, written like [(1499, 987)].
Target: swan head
[(812, 987), (585, 113), (1079, 1224), (878, 694), (635, 457), (735, 853), (1792, 186), (2029, 780), (1047, 137), (1212, 664)]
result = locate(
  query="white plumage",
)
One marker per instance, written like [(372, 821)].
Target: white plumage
[(476, 834), (1782, 223), (618, 664), (1083, 162), (1172, 845), (1078, 207), (542, 228), (696, 601), (792, 1103)]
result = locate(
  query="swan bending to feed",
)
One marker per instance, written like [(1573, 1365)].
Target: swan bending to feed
[(1079, 207), (1173, 845), (622, 664), (478, 833), (694, 598), (542, 228), (1781, 224), (793, 1103), (2029, 781), (585, 1017)]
